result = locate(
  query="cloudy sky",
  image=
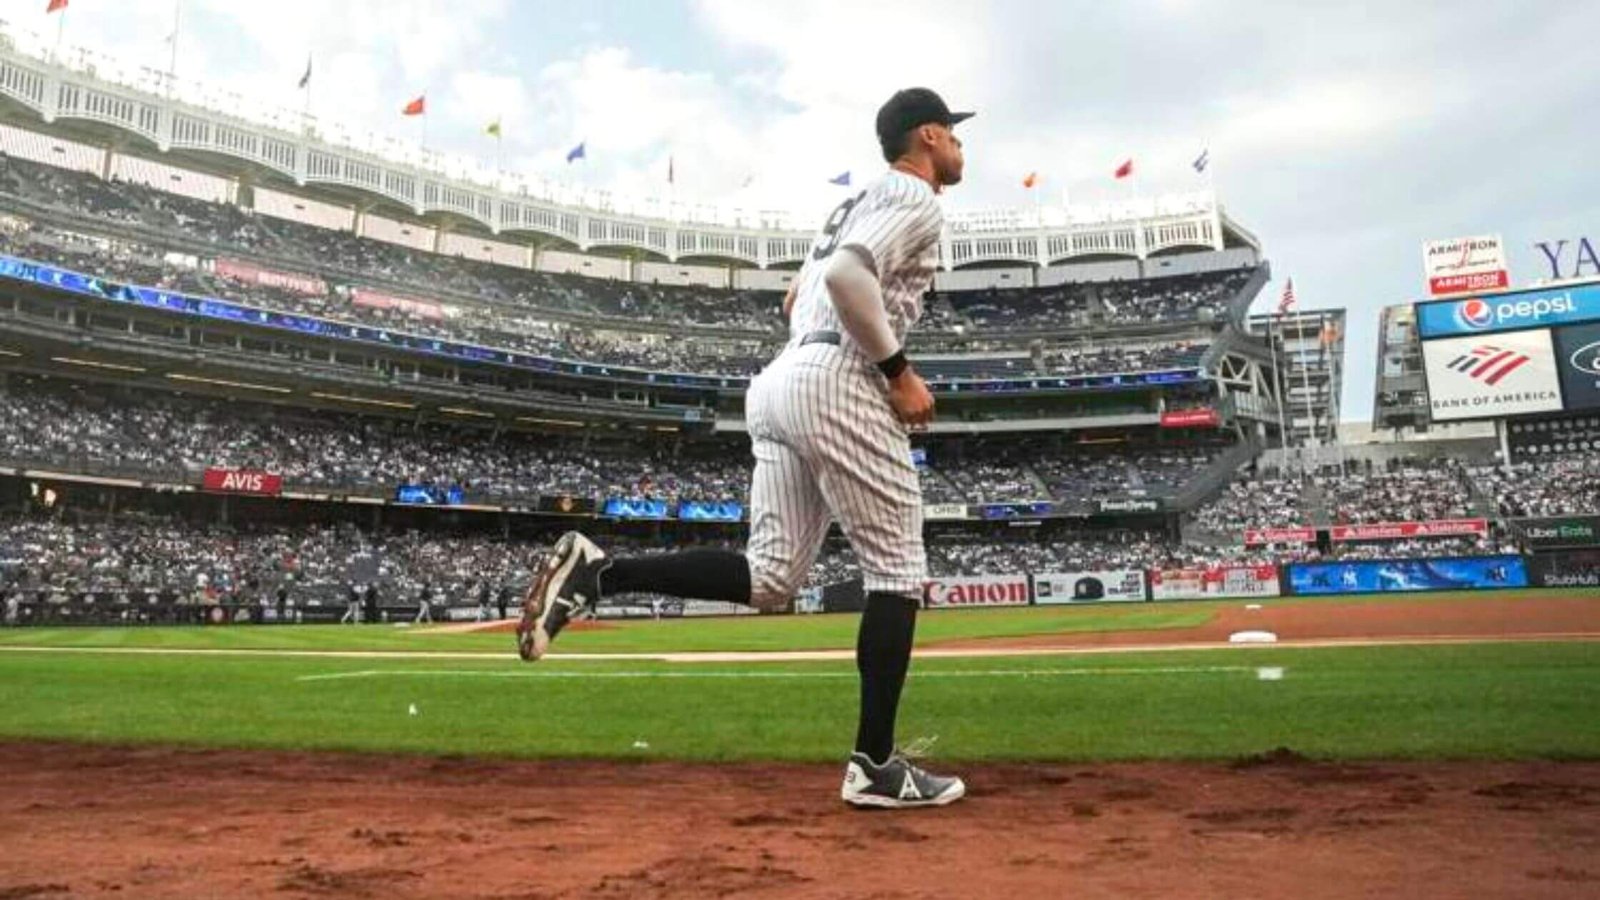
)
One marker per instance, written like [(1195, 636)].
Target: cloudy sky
[(1342, 134)]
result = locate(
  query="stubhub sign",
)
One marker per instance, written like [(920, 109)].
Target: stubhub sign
[(1507, 312)]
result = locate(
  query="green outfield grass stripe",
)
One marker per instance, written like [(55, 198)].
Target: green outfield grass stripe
[(720, 673)]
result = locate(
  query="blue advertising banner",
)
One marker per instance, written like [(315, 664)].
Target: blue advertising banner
[(1507, 312), (1400, 575), (708, 511), (639, 508), (434, 494)]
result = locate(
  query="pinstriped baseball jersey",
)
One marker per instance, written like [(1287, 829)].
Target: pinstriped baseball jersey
[(895, 223), (826, 441)]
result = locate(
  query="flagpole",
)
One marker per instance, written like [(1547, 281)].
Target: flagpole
[(1305, 383), (305, 88), (172, 60), (61, 27), (1279, 381)]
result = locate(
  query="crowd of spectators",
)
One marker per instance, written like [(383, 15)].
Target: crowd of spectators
[(151, 214), (1253, 501), (533, 332), (1405, 491), (137, 555), (1204, 296), (86, 428), (1555, 486), (178, 436)]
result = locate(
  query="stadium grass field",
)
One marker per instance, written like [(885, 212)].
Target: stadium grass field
[(1489, 700)]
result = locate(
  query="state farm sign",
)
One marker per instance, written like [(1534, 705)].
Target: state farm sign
[(1465, 265), (977, 590), (243, 481)]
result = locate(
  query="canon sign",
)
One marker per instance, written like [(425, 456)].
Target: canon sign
[(987, 590)]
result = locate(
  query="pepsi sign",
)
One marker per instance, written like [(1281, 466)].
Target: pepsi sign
[(1509, 312)]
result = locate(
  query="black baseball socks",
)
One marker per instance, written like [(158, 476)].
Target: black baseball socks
[(883, 654), (697, 574)]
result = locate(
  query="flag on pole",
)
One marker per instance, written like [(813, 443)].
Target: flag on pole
[(748, 180), (1031, 179), (305, 80), (493, 128), (576, 153), (670, 174), (1287, 302), (55, 6), (1201, 161), (842, 179), (416, 107), (1124, 170)]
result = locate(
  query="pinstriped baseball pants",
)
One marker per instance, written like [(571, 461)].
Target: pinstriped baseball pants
[(828, 446)]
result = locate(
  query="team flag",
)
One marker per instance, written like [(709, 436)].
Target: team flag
[(1287, 302), (576, 153), (1124, 170), (416, 107), (842, 179), (56, 6), (1031, 179)]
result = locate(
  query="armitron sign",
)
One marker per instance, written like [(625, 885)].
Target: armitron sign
[(980, 590), (1467, 265), (242, 481)]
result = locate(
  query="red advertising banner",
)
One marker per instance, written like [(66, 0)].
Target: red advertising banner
[(375, 300), (243, 481), (977, 590), (1190, 418), (1396, 531), (1469, 284), (249, 273), (1214, 582), (1254, 537)]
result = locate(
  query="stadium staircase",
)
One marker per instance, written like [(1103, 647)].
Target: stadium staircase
[(1314, 502)]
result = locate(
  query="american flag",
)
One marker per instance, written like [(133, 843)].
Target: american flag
[(1287, 302)]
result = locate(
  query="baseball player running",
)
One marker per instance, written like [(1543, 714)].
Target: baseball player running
[(828, 422)]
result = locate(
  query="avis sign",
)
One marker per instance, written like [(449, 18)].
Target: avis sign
[(976, 590), (243, 481), (1466, 265)]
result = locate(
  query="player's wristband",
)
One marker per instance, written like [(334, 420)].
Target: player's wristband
[(894, 365)]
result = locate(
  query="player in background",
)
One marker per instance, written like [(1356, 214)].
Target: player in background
[(828, 422)]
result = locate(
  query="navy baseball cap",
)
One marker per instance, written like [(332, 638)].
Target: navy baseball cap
[(912, 107)]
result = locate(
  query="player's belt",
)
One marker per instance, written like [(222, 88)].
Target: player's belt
[(821, 337)]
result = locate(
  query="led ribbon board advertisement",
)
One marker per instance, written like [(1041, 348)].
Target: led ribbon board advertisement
[(1402, 575), (1491, 376)]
